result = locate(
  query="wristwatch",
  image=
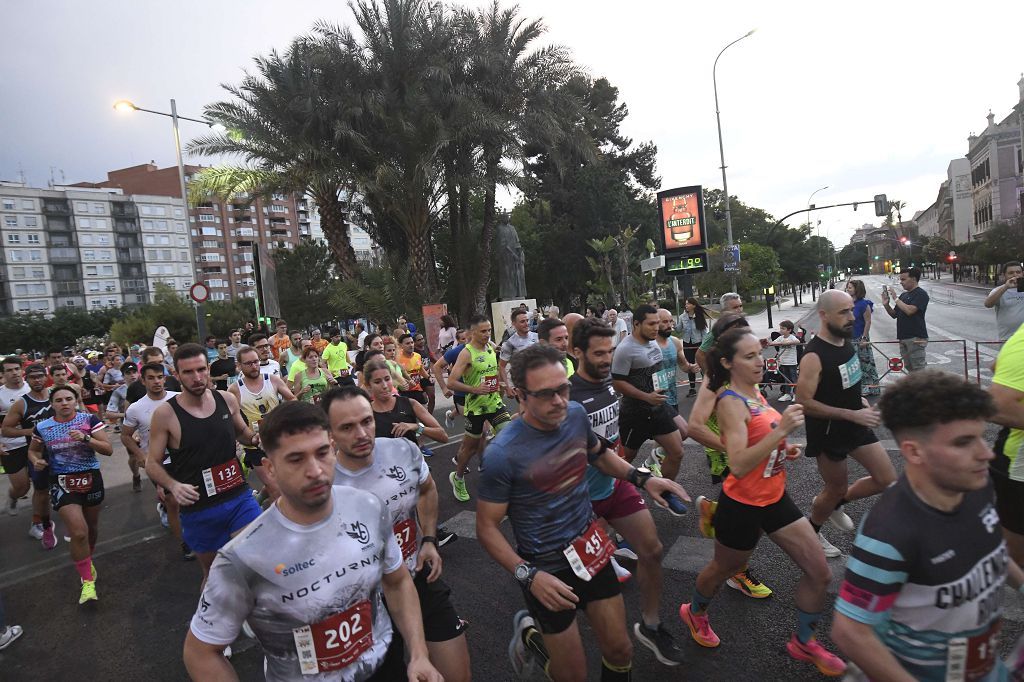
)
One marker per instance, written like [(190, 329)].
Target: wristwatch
[(428, 538), (86, 438), (419, 429), (525, 574), (639, 476)]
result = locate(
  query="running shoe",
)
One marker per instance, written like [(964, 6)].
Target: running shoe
[(88, 592), (227, 651), (692, 392), (621, 574), (624, 550), (841, 520), (49, 538), (9, 634), (36, 531), (95, 574), (136, 484), (785, 398), (707, 513), (522, 660), (676, 506), (746, 583), (479, 466), (427, 452), (831, 551), (247, 630), (12, 506), (458, 488), (444, 537), (700, 628), (162, 511), (660, 642), (654, 461), (186, 553), (824, 660), (449, 419)]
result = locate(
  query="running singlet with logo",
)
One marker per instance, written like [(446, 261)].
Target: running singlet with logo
[(931, 584), (541, 476), (397, 472), (413, 366), (838, 386), (336, 357), (766, 483), (205, 456), (637, 364), (311, 594), (1010, 373), (666, 375), (9, 396), (256, 406), (482, 370), (66, 455), (602, 406)]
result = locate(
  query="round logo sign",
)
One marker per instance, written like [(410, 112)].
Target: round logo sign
[(199, 292)]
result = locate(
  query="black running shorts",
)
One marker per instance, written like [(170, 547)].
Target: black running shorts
[(475, 422), (604, 585), (1009, 502), (739, 526), (15, 460), (64, 492), (838, 439), (440, 620), (638, 428)]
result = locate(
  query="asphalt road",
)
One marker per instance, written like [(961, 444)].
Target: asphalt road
[(147, 593)]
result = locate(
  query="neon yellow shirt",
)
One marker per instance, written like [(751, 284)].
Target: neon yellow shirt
[(1010, 373), (336, 357)]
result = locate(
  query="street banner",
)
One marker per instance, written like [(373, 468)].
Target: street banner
[(681, 212), (731, 258), (432, 323)]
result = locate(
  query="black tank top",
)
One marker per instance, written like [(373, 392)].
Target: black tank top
[(401, 413), (35, 412), (839, 384), (204, 443)]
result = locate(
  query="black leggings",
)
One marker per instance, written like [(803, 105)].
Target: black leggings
[(691, 356)]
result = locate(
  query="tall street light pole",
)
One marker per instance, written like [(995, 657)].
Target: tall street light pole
[(809, 207), (721, 150), (126, 106)]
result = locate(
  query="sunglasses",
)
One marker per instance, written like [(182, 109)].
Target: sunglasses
[(549, 393)]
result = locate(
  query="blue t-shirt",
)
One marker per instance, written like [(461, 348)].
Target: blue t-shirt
[(541, 476), (912, 326), (450, 356), (859, 306), (65, 455)]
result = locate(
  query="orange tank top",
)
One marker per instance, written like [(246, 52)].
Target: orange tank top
[(766, 483)]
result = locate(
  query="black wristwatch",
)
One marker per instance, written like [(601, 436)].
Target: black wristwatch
[(525, 574), (428, 538), (639, 476)]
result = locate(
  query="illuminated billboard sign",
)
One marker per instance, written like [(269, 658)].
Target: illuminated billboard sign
[(681, 212)]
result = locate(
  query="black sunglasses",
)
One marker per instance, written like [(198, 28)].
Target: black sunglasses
[(549, 393)]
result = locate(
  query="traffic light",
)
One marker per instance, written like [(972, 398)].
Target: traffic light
[(881, 206), (876, 257), (904, 241)]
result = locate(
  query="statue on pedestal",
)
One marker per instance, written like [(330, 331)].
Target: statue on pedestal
[(511, 273)]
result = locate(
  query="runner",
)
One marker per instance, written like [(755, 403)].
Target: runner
[(396, 473), (703, 428), (59, 377), (398, 373), (19, 421), (318, 341), (645, 413), (396, 415), (618, 502), (922, 596), (412, 363), (1007, 470), (520, 339), (91, 384), (754, 499), (313, 381), (223, 369), (447, 336), (66, 445), (236, 343), (553, 332), (153, 354), (311, 575), (428, 360), (335, 354), (287, 357), (14, 450), (370, 342), (258, 392), (839, 419), (198, 429), (476, 374), (263, 349), (673, 358), (279, 342), (57, 356), (440, 375), (535, 475)]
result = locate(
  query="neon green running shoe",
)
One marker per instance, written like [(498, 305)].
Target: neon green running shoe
[(458, 487), (88, 592)]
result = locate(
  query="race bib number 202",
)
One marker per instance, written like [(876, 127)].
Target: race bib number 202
[(334, 642)]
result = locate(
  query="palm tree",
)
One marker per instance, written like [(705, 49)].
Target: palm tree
[(281, 124)]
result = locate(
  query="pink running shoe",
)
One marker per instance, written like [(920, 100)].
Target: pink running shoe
[(825, 661), (49, 539), (700, 627)]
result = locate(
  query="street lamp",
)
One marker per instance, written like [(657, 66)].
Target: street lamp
[(721, 150), (126, 106)]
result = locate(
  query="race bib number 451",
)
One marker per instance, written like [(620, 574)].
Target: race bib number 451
[(590, 552), (334, 642)]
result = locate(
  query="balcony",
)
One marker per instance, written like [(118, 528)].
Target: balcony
[(126, 226), (67, 289), (63, 240), (64, 255), (134, 286), (56, 207), (132, 255), (127, 242), (58, 225), (132, 272), (123, 209)]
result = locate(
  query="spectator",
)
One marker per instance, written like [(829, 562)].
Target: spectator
[(210, 343), (445, 338), (909, 312), (787, 343), (1008, 302), (692, 327), (863, 308), (618, 325), (730, 302)]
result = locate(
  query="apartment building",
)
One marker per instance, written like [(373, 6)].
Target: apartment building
[(996, 161), (82, 247)]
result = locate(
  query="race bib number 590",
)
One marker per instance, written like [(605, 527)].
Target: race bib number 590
[(334, 642)]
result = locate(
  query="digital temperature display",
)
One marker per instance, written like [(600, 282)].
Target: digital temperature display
[(685, 265)]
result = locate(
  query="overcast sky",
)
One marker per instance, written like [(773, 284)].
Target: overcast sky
[(868, 98)]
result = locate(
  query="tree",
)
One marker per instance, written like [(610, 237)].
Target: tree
[(854, 257), (39, 332), (759, 268), (307, 273)]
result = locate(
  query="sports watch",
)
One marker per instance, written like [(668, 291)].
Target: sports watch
[(639, 476), (525, 574)]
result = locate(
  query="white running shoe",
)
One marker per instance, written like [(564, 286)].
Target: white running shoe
[(449, 419), (831, 551), (36, 531), (785, 398), (162, 511), (841, 520)]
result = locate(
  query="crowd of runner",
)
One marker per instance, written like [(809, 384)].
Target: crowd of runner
[(556, 415)]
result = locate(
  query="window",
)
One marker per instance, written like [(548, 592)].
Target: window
[(178, 212), (98, 208), (109, 285), (33, 238), (103, 240), (89, 254), (111, 301), (40, 306), (147, 224), (106, 255), (209, 231), (204, 218), (14, 239), (10, 221), (69, 303), (278, 209), (23, 306), (96, 303), (209, 244), (85, 240), (37, 273), (17, 256), (31, 221), (94, 286), (100, 223), (90, 270), (164, 240), (161, 225), (30, 289), (107, 270), (184, 269), (179, 227), (18, 272), (149, 240), (181, 241), (165, 254), (9, 205), (35, 255), (84, 222), (81, 207), (28, 204), (183, 255), (159, 210)]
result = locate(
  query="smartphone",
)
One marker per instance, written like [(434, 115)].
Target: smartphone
[(1020, 284)]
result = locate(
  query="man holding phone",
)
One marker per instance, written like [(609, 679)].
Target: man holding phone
[(1008, 300), (908, 310)]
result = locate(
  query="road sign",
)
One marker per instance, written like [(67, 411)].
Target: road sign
[(652, 264), (731, 258), (199, 292)]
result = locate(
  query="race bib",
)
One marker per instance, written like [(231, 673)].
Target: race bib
[(849, 372), (223, 477), (76, 483), (972, 658), (663, 380), (590, 552), (344, 372), (776, 461), (334, 642), (490, 382), (405, 533)]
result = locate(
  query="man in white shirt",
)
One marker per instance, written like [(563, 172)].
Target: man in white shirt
[(1008, 302), (618, 325)]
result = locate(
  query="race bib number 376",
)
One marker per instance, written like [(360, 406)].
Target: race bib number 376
[(334, 642)]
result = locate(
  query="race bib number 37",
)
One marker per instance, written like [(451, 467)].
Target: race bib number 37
[(334, 642), (405, 533), (590, 552), (223, 477)]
